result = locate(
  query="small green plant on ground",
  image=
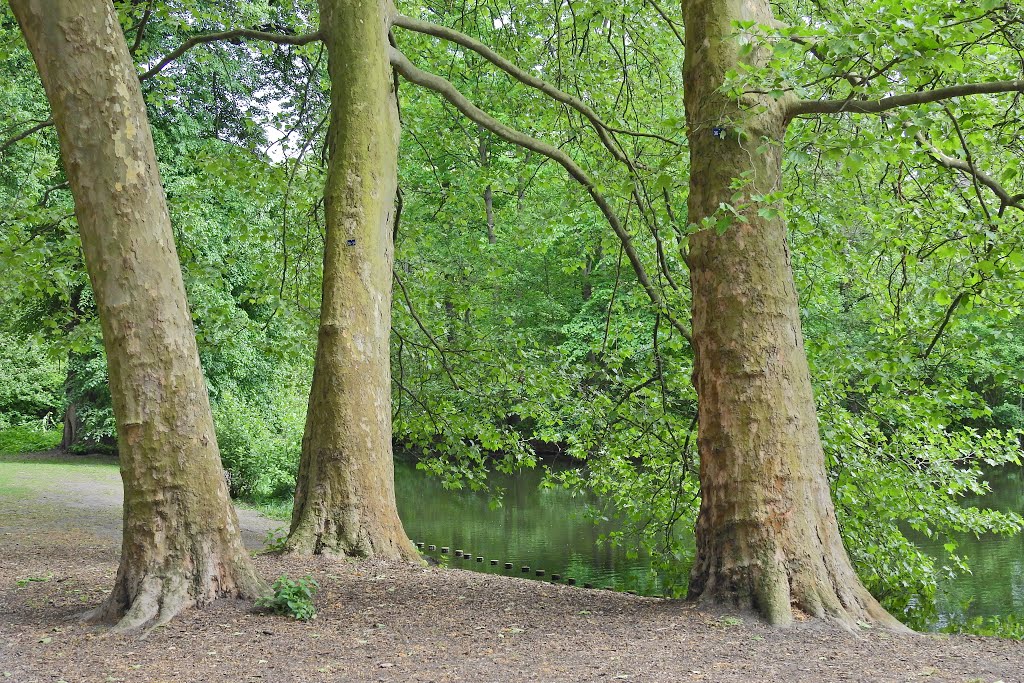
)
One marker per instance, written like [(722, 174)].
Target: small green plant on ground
[(293, 597), (276, 541), (32, 579)]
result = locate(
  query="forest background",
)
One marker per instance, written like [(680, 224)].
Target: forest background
[(520, 336)]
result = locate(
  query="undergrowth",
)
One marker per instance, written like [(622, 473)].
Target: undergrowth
[(292, 597), (28, 439)]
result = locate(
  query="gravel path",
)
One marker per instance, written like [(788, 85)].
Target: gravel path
[(378, 622)]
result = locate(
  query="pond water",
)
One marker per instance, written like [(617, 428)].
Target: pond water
[(548, 529), (995, 586), (540, 528)]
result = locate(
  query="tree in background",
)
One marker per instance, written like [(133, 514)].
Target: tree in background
[(181, 543)]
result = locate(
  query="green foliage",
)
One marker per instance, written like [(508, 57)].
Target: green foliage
[(88, 390), (28, 438), (999, 626), (30, 383), (260, 444), (292, 597), (276, 541), (279, 508), (25, 581), (1007, 416)]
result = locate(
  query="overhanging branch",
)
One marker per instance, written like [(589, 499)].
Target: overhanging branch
[(523, 76), (441, 86), (804, 107), (25, 133), (277, 38), (980, 177)]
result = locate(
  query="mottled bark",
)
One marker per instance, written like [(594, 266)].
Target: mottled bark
[(344, 497), (767, 535), (181, 543)]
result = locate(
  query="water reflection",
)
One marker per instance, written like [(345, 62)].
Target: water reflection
[(995, 585), (541, 528), (548, 529)]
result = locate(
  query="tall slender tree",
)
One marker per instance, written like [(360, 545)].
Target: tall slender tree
[(345, 496), (181, 543)]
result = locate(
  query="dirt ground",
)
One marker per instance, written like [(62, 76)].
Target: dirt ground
[(377, 622)]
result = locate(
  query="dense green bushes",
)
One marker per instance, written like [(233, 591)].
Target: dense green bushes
[(260, 445), (31, 382), (28, 438)]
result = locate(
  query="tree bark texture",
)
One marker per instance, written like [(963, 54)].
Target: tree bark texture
[(181, 543), (767, 535), (345, 496)]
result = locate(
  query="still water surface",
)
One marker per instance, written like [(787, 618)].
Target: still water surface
[(995, 586), (548, 529), (540, 528)]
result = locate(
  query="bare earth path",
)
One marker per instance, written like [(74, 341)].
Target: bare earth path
[(58, 553)]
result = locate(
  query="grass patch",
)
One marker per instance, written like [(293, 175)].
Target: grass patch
[(28, 439), (279, 509), (24, 474)]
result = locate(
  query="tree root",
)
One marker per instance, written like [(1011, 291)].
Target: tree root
[(158, 600), (155, 599), (776, 593)]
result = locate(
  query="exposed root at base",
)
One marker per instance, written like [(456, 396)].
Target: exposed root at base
[(777, 596), (157, 599), (311, 539)]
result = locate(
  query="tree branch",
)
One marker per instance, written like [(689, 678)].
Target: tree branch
[(804, 107), (141, 29), (424, 330), (441, 86), (519, 74), (668, 20), (25, 133), (978, 176), (942, 325), (277, 38)]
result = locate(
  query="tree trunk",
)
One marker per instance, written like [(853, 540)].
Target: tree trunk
[(181, 543), (345, 495), (767, 535), (69, 436)]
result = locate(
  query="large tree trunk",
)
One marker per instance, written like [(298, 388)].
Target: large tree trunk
[(181, 543), (345, 495), (767, 535)]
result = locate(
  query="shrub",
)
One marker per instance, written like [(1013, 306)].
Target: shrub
[(31, 383), (1007, 416), (1007, 626), (260, 448), (89, 393), (292, 597), (28, 438)]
